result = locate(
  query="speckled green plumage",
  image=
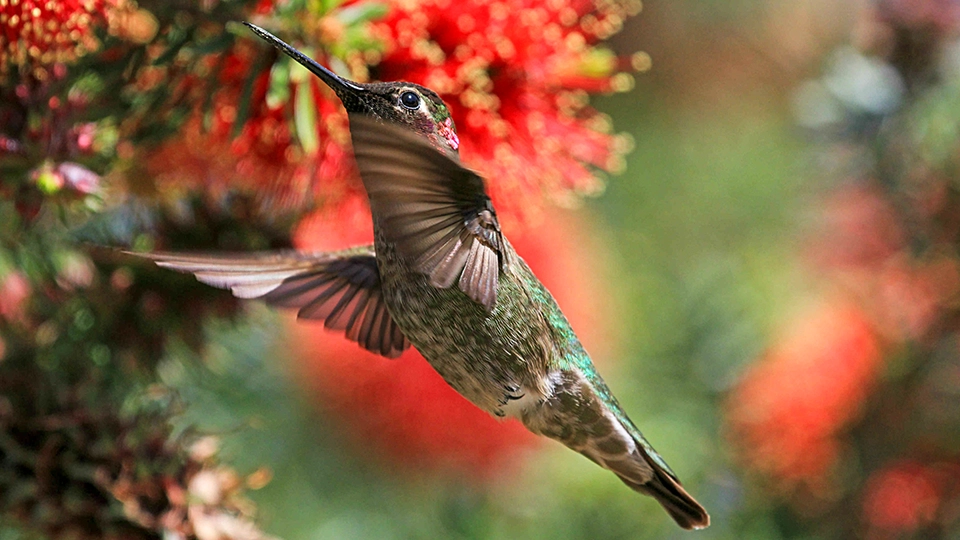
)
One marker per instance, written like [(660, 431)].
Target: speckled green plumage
[(486, 357)]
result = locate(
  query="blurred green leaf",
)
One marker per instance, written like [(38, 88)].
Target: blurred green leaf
[(278, 93), (361, 13), (305, 117)]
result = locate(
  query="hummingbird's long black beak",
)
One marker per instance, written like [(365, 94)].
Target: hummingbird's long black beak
[(347, 91)]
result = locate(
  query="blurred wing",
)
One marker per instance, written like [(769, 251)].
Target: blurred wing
[(340, 288), (435, 211)]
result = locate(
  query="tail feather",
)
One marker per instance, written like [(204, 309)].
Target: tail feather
[(681, 506), (575, 415)]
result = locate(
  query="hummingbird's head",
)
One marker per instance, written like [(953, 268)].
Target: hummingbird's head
[(416, 107)]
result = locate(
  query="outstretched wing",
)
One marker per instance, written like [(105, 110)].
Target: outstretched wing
[(340, 288), (435, 211)]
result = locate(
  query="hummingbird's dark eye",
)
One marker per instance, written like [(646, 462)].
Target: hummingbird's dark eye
[(410, 100)]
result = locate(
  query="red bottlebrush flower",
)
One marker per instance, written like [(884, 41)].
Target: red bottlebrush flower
[(901, 498), (786, 412), (344, 225), (516, 75), (259, 159), (261, 155), (39, 33), (401, 410)]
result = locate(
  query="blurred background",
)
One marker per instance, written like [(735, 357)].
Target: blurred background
[(749, 211)]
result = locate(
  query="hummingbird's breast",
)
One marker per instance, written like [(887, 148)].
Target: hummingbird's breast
[(499, 360)]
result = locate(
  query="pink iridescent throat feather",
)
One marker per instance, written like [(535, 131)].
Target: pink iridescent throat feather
[(449, 133)]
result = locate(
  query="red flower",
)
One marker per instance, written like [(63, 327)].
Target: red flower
[(901, 497), (516, 75), (907, 297), (859, 230), (40, 33), (787, 411), (14, 293), (260, 159), (863, 246)]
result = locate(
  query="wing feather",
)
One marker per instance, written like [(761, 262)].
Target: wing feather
[(435, 211), (340, 288)]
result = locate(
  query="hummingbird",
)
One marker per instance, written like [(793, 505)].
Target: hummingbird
[(442, 277)]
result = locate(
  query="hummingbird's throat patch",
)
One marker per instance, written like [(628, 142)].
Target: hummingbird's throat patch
[(447, 131)]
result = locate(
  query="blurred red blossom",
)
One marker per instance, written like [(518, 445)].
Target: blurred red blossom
[(858, 228), (40, 33), (863, 246), (857, 405), (15, 290), (788, 409), (907, 298), (261, 158), (905, 496)]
